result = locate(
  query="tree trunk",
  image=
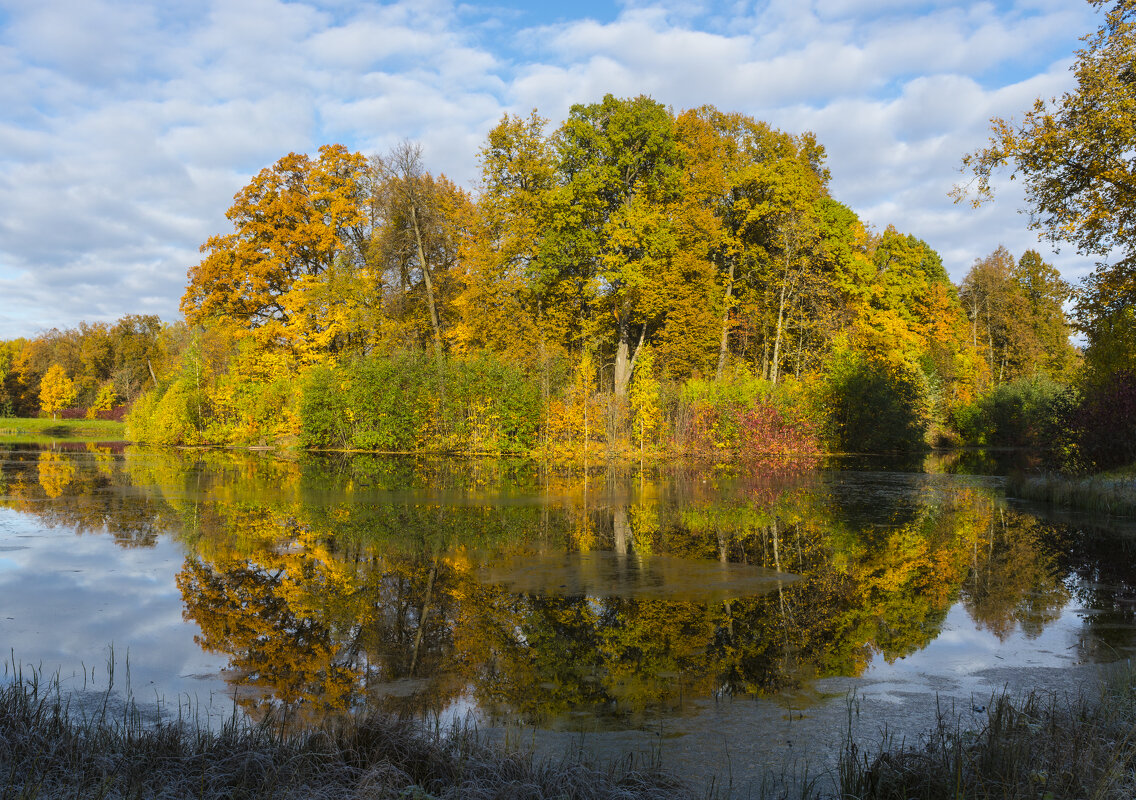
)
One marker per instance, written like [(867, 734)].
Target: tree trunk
[(423, 613), (724, 346), (621, 530), (625, 357), (429, 283), (773, 368)]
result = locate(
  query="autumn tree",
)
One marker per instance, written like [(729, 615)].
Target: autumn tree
[(619, 166), (1076, 156), (645, 398), (294, 221), (419, 226), (509, 297), (749, 209), (1045, 294), (105, 400), (56, 391), (9, 391), (1016, 316), (987, 293)]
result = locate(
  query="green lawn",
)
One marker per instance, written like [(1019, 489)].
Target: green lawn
[(18, 429)]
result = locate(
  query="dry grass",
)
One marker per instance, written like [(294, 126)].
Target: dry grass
[(1039, 746), (1106, 494), (49, 749)]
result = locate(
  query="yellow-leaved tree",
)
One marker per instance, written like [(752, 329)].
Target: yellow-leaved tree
[(56, 390), (645, 398), (104, 401)]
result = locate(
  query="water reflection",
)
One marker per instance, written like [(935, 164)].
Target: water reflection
[(334, 583)]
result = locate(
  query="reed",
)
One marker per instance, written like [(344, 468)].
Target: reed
[(1107, 493), (52, 745), (1039, 745), (50, 748)]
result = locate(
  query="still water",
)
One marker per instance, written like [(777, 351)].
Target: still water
[(722, 619)]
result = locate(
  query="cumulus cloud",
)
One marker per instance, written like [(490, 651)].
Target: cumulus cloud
[(128, 126)]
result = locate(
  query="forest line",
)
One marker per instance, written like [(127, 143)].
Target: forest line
[(634, 282)]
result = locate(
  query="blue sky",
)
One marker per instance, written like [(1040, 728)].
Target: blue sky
[(126, 127)]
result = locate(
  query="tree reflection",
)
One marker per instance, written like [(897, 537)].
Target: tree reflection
[(333, 584)]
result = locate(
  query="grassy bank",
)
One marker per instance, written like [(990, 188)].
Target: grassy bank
[(49, 751), (1107, 493), (1040, 745), (39, 430), (1037, 746)]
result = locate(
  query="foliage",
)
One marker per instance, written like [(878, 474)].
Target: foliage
[(1022, 413), (93, 355), (745, 419), (644, 398), (173, 414), (1076, 156), (105, 400), (687, 249), (1104, 423), (874, 404), (245, 275), (56, 390), (1016, 317), (408, 402)]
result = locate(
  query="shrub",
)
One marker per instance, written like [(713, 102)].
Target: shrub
[(169, 414), (745, 418), (1022, 413), (873, 404), (1104, 423), (404, 402)]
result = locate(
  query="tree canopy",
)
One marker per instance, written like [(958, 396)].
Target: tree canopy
[(1076, 155)]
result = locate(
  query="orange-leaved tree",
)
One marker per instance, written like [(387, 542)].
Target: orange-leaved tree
[(296, 219)]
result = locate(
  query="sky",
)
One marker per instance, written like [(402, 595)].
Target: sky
[(127, 127)]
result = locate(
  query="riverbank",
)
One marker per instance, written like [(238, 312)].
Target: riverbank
[(48, 751), (1108, 493), (1040, 745), (42, 430), (1044, 744)]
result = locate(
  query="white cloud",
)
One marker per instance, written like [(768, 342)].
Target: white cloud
[(128, 126)]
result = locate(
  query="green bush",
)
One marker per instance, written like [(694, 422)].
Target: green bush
[(323, 410), (170, 414), (408, 402), (874, 405), (1022, 413)]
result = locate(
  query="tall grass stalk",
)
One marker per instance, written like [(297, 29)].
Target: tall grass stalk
[(1099, 493), (1039, 745), (49, 751)]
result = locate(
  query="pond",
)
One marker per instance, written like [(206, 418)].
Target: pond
[(729, 622)]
